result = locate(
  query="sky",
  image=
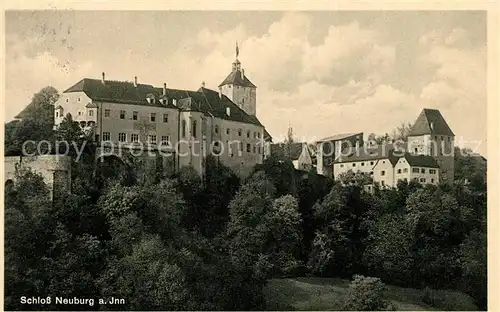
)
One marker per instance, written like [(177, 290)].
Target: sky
[(320, 72)]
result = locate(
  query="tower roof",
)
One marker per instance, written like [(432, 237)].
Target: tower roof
[(430, 121), (237, 78)]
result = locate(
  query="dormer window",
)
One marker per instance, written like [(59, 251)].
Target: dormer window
[(228, 111)]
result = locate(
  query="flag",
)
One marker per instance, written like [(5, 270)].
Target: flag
[(237, 49)]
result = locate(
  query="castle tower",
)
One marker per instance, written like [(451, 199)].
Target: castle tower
[(431, 135), (239, 89)]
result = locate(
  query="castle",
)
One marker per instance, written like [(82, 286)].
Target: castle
[(427, 156), (181, 124)]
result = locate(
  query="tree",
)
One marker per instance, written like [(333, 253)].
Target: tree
[(36, 124), (401, 132), (247, 228), (389, 248), (41, 106), (367, 294), (285, 228)]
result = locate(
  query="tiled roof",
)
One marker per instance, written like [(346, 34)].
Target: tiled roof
[(421, 161), (430, 118), (235, 78), (204, 100), (338, 137), (279, 150), (366, 152)]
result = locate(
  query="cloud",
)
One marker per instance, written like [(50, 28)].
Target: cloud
[(28, 75), (458, 85), (352, 79)]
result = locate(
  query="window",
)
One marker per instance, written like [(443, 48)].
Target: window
[(422, 180), (258, 135), (67, 100), (382, 183), (432, 180), (415, 170), (248, 134), (399, 170), (57, 114), (383, 161), (183, 130), (362, 164), (239, 132), (416, 150), (194, 128), (341, 165), (248, 148), (405, 170), (134, 137), (441, 138), (107, 112), (240, 146), (152, 138), (371, 172), (106, 136), (422, 170), (165, 118), (165, 139), (371, 162), (152, 117), (255, 149), (432, 171), (354, 165), (259, 149), (382, 173), (134, 115), (80, 113), (216, 129), (91, 112), (227, 131), (79, 99), (122, 137), (122, 114)]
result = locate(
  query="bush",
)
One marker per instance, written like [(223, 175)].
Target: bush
[(447, 300), (367, 294)]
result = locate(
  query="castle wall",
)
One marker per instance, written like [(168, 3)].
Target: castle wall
[(55, 169)]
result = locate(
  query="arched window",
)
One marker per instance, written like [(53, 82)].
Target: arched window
[(194, 128), (183, 130)]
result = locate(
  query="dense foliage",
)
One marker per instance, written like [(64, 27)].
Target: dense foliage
[(184, 242)]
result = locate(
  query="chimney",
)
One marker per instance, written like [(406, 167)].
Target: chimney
[(135, 81), (220, 93), (164, 89), (103, 78), (242, 74), (203, 84)]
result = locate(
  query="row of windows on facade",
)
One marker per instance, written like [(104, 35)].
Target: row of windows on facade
[(152, 118), (165, 139), (413, 170), (421, 180), (256, 135), (134, 138), (255, 149)]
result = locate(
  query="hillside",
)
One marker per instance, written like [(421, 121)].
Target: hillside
[(328, 294)]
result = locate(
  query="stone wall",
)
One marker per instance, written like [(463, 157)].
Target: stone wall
[(55, 169)]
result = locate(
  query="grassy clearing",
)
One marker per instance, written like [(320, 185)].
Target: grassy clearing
[(328, 294)]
